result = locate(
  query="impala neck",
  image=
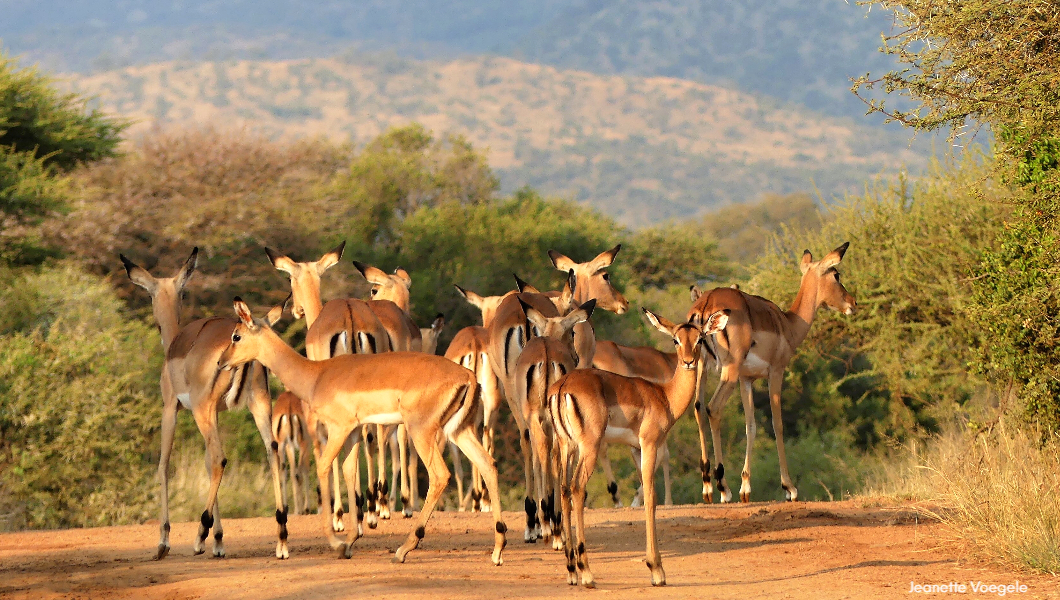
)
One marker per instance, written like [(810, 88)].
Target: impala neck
[(803, 310), (311, 304), (167, 315), (298, 373), (681, 389)]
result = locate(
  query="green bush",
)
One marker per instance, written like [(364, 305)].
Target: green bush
[(79, 409)]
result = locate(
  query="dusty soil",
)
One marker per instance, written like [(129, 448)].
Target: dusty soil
[(803, 550)]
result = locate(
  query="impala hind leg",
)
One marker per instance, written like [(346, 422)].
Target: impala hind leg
[(438, 478), (382, 486), (702, 411), (587, 461), (169, 424), (776, 380), (458, 472), (751, 429), (349, 473), (402, 439), (371, 494), (533, 525), (260, 406), (478, 457), (567, 465)]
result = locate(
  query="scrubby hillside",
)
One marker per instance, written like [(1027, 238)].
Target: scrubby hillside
[(639, 148)]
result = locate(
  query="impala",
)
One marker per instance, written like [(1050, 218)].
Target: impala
[(588, 406), (508, 334), (591, 281), (545, 358), (647, 363), (432, 396), (470, 349), (191, 380), (291, 432), (758, 343), (342, 326)]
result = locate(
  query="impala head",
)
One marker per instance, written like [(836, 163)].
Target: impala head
[(165, 291), (823, 277), (386, 286), (305, 277), (688, 336), (593, 280), (430, 334), (558, 328), (247, 336), (487, 304)]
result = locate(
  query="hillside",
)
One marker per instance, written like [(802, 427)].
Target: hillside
[(796, 50), (640, 148)]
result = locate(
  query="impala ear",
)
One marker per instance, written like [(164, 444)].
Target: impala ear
[(280, 261), (139, 275), (807, 260), (524, 287), (660, 323), (833, 258), (604, 259), (373, 275), (694, 292), (472, 298), (439, 322), (735, 286), (566, 298), (187, 268), (533, 315), (579, 315), (276, 313), (403, 275), (560, 261), (243, 312), (331, 258), (716, 322)]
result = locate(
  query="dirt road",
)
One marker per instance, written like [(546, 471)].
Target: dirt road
[(803, 550)]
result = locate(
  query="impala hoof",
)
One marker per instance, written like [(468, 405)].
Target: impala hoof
[(407, 513), (745, 497), (163, 550), (341, 548), (282, 552), (219, 553)]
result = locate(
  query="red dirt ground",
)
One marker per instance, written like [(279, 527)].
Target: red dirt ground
[(802, 550)]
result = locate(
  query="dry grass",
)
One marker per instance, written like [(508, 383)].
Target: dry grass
[(999, 491)]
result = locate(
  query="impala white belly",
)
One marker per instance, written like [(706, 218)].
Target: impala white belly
[(185, 399), (621, 435), (392, 418), (755, 366)]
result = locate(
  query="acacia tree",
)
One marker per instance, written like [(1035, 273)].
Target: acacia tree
[(996, 62), (43, 133)]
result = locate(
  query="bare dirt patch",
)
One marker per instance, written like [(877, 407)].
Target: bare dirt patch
[(803, 550)]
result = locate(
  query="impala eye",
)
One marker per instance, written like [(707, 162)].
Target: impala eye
[(677, 343), (375, 291), (236, 337), (607, 277)]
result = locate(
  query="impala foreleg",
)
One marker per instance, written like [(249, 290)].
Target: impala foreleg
[(206, 419), (702, 412), (169, 424), (478, 457), (714, 410), (349, 473), (532, 531), (542, 485), (776, 380), (328, 455), (372, 493), (260, 406), (458, 472), (426, 443), (382, 486), (751, 429), (648, 464)]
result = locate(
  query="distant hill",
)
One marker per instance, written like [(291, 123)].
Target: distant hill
[(642, 149), (801, 51)]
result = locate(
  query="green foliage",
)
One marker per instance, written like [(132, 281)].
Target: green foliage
[(743, 231), (998, 62), (902, 361), (79, 412), (42, 132)]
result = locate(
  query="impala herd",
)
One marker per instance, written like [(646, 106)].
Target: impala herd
[(371, 376)]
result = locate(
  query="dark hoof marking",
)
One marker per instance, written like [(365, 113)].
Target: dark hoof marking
[(501, 527), (275, 446), (163, 550), (370, 438), (206, 520), (224, 462), (218, 536), (419, 532), (339, 513), (612, 488), (165, 527), (281, 516), (719, 474), (283, 533), (384, 487), (699, 406)]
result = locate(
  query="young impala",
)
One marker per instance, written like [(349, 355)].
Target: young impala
[(588, 406), (432, 396)]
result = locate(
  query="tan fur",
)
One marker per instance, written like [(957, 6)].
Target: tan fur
[(291, 430), (432, 396), (758, 343)]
